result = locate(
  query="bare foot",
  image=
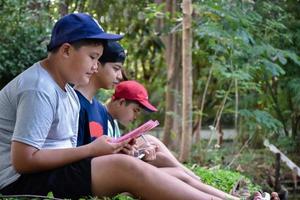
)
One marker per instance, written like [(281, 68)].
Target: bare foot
[(274, 196), (257, 196)]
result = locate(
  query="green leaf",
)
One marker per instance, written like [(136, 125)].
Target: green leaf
[(50, 194), (292, 56), (273, 68)]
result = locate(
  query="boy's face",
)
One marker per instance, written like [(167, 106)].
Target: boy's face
[(109, 75), (82, 63), (127, 113)]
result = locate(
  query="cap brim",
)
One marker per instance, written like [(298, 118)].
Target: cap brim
[(107, 36), (148, 106)]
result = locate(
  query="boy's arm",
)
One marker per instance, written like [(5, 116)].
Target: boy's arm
[(27, 159), (34, 117)]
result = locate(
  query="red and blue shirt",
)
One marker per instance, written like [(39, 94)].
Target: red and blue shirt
[(92, 120)]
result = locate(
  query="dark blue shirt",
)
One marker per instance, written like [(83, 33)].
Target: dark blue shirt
[(92, 120)]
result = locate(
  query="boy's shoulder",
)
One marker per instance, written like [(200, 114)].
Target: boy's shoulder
[(36, 78), (33, 79)]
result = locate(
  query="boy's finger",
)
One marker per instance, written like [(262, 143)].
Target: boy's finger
[(118, 150), (128, 146), (132, 141), (128, 152), (119, 144)]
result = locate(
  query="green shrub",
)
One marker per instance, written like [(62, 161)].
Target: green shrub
[(222, 179), (24, 34)]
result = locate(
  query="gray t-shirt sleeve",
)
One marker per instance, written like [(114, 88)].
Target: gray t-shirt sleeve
[(35, 114)]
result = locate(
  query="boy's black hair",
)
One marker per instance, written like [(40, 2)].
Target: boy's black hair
[(112, 52), (80, 43)]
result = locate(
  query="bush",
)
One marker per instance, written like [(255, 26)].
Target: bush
[(222, 179), (24, 35)]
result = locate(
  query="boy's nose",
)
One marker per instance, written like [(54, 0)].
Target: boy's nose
[(95, 67), (119, 75)]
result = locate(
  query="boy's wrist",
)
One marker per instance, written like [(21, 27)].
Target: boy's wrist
[(87, 150)]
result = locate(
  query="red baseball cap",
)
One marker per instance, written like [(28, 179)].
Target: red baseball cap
[(132, 90)]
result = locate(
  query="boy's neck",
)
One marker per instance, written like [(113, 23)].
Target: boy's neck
[(111, 110), (88, 91), (49, 64)]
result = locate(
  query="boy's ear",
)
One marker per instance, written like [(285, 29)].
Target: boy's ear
[(122, 101), (65, 49)]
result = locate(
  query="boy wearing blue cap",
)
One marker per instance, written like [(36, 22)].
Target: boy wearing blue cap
[(38, 129)]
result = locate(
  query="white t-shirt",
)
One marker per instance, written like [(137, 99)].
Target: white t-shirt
[(34, 110)]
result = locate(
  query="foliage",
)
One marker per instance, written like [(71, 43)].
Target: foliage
[(258, 119), (24, 31), (222, 179), (242, 42), (254, 44), (144, 48)]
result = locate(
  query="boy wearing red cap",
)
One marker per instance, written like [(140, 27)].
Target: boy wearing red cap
[(129, 98), (38, 128), (126, 103)]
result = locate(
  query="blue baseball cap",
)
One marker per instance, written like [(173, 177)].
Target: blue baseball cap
[(78, 26)]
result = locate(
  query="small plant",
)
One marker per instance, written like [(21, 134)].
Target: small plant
[(222, 179)]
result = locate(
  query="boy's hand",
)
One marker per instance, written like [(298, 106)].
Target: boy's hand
[(102, 146), (129, 149), (150, 152), (147, 148)]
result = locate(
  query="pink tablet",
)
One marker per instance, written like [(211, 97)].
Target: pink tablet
[(138, 131)]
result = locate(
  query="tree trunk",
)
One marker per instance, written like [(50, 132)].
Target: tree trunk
[(217, 121), (63, 7), (198, 126), (187, 86), (172, 56), (81, 6), (177, 125), (236, 113), (276, 107)]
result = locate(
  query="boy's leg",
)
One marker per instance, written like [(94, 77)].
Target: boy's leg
[(118, 173), (166, 159), (197, 184)]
